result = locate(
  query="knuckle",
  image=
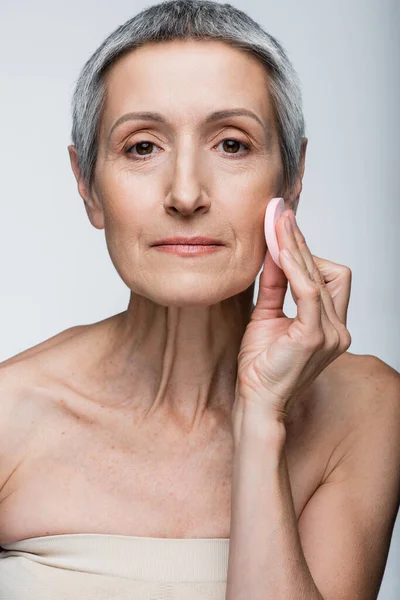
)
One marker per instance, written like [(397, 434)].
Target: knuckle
[(335, 340), (313, 291), (346, 339), (347, 272), (317, 341), (320, 341)]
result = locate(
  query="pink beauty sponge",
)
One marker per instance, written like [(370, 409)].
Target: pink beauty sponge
[(275, 208)]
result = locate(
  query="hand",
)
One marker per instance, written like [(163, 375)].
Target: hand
[(279, 356)]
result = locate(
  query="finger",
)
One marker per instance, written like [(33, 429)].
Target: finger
[(333, 321), (309, 301), (338, 278), (271, 292), (289, 240), (312, 267)]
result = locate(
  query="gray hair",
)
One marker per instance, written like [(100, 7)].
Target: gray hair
[(190, 19)]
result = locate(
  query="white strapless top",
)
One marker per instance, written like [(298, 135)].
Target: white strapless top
[(88, 566)]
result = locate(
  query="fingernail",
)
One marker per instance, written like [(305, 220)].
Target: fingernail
[(288, 225)]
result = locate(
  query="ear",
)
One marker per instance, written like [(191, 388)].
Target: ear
[(92, 204), (292, 199)]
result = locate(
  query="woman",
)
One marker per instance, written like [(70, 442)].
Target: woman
[(195, 445)]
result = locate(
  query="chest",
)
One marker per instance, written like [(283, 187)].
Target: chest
[(87, 478)]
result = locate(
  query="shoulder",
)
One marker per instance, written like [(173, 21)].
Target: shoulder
[(23, 391), (364, 390), (18, 417), (354, 398), (30, 352), (367, 384), (367, 403), (24, 374), (359, 382), (351, 387), (351, 514)]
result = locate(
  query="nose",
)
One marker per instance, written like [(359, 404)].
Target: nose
[(188, 193)]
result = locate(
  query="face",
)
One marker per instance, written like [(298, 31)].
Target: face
[(188, 174)]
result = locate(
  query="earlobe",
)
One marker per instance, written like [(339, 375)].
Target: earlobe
[(96, 216)]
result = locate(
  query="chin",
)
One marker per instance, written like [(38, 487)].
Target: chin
[(193, 297)]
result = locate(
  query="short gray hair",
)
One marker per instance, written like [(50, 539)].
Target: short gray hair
[(190, 19)]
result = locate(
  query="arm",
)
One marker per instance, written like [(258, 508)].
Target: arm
[(339, 548), (266, 561)]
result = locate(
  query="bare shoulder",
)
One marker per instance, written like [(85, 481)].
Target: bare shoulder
[(20, 382), (347, 523), (24, 376), (24, 398), (34, 350), (368, 383), (367, 405), (353, 397), (351, 387)]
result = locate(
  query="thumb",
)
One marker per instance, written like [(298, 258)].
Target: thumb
[(272, 290)]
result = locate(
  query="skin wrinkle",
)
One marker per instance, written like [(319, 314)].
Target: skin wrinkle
[(171, 358), (213, 117)]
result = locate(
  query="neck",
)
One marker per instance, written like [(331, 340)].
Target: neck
[(171, 362)]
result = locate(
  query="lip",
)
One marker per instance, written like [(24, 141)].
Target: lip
[(192, 241), (189, 249)]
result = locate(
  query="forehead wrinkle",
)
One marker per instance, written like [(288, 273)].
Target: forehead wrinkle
[(212, 118)]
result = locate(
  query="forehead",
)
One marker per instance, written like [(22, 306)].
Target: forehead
[(185, 80)]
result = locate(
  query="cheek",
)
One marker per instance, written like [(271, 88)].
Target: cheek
[(123, 224), (256, 248), (249, 241), (123, 208), (120, 215)]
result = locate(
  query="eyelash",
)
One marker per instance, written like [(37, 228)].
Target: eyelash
[(231, 156)]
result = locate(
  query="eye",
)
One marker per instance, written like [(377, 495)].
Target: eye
[(231, 146), (145, 146)]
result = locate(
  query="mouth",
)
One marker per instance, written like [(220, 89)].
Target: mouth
[(189, 249), (193, 241)]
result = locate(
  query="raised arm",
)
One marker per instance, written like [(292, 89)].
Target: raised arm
[(339, 548)]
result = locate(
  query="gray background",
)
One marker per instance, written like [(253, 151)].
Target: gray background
[(56, 271)]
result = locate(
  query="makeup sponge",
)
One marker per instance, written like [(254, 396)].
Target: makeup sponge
[(275, 208)]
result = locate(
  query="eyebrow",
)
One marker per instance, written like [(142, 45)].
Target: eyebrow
[(212, 118)]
